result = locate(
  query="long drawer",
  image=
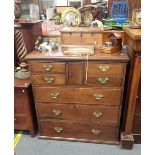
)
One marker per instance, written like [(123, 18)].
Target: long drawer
[(105, 69), (86, 113), (78, 95), (78, 130), (48, 67), (49, 80)]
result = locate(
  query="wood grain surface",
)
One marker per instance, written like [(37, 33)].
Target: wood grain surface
[(86, 113), (74, 95), (78, 130)]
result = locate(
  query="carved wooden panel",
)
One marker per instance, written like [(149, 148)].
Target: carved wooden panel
[(20, 46)]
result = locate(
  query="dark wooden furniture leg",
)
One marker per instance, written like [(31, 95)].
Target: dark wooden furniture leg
[(133, 41), (127, 139)]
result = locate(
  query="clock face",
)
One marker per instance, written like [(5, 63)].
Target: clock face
[(71, 17)]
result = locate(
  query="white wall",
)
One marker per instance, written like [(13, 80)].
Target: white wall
[(61, 2)]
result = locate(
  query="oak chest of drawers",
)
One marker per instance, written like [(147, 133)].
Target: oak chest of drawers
[(78, 97)]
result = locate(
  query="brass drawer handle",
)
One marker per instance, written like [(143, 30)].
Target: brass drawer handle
[(47, 67), (103, 80), (103, 68), (98, 96), (49, 80), (97, 114), (58, 129), (57, 112), (55, 95), (96, 132), (15, 119)]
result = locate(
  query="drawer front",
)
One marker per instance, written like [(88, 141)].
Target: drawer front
[(19, 109), (86, 113), (96, 70), (78, 95), (105, 81), (78, 130), (47, 67), (20, 96), (49, 80), (21, 122)]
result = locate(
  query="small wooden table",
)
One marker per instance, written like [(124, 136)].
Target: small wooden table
[(131, 129), (24, 111)]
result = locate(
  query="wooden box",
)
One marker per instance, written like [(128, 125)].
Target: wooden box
[(84, 36), (116, 43)]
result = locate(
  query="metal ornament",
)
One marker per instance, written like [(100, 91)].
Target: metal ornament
[(71, 17), (87, 18)]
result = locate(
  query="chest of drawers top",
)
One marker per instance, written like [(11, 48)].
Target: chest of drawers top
[(59, 56)]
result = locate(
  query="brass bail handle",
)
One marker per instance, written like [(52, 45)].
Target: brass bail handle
[(47, 67), (98, 96), (104, 68), (55, 95), (97, 114), (96, 132), (56, 112), (103, 80), (49, 80), (58, 129)]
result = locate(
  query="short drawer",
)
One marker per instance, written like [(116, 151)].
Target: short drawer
[(96, 70), (78, 130), (20, 96), (78, 95), (105, 81), (48, 67), (93, 113), (21, 122), (49, 80)]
